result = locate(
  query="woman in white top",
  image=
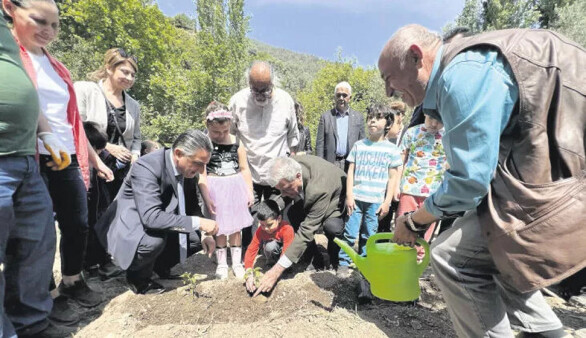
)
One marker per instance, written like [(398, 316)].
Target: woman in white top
[(116, 113), (35, 24)]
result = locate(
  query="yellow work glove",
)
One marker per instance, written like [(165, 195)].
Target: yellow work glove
[(57, 150)]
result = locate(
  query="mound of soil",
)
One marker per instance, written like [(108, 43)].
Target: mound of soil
[(303, 304)]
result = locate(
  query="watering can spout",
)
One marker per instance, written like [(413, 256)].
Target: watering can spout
[(356, 258)]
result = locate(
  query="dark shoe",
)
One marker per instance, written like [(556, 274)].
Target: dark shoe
[(51, 331), (81, 293), (109, 270), (557, 333), (147, 287), (343, 272), (92, 273), (166, 274), (364, 296), (318, 262), (62, 313)]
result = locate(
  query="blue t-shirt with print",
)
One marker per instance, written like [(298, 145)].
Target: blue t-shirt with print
[(372, 161)]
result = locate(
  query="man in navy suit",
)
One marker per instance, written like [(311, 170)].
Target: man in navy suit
[(149, 211), (339, 128)]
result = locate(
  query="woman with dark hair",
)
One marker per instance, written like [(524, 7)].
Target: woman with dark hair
[(117, 114), (304, 145), (35, 24)]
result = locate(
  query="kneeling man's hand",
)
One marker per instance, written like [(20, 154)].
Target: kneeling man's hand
[(209, 245), (210, 227), (268, 281)]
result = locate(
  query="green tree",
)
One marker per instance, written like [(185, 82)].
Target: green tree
[(483, 15), (184, 22), (501, 14), (470, 17), (222, 46), (180, 69), (571, 20)]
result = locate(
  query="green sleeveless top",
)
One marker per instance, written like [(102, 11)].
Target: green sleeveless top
[(19, 103)]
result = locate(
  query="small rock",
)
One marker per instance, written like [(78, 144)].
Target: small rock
[(579, 301), (580, 333), (260, 299), (416, 324)]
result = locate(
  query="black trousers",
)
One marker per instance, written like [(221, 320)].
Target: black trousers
[(98, 200), (332, 228), (69, 197), (158, 251), (384, 224)]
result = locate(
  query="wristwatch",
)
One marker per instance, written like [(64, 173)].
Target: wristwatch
[(412, 225)]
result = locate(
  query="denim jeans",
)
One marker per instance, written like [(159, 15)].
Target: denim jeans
[(478, 303), (27, 247), (363, 222), (69, 197)]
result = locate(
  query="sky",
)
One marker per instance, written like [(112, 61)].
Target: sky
[(320, 27)]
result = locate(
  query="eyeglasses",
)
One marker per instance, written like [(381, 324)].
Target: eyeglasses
[(339, 95), (264, 92), (125, 55)]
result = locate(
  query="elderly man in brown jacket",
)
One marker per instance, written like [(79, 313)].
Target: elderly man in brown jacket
[(514, 108), (318, 186)]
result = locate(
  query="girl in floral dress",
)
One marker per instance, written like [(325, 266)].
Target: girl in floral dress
[(425, 163)]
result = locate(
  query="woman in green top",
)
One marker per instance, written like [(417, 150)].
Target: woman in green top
[(25, 206)]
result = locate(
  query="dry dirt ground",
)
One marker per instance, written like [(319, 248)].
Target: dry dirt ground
[(303, 304)]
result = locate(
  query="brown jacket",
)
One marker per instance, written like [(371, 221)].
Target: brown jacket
[(534, 215), (324, 196)]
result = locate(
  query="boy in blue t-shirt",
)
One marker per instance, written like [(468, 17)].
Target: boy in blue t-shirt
[(370, 182)]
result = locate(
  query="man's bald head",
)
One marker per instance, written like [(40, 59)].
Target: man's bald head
[(406, 61), (260, 73), (260, 81), (399, 44)]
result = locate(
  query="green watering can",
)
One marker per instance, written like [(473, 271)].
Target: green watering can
[(391, 269)]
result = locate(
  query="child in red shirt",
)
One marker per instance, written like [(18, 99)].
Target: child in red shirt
[(274, 234)]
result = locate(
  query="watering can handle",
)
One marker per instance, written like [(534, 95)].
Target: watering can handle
[(379, 236), (389, 235)]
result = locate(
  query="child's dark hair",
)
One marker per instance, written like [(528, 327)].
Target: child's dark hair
[(214, 107), (379, 111), (148, 146), (268, 209), (97, 138)]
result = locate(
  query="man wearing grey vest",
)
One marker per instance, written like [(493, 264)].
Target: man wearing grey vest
[(513, 106)]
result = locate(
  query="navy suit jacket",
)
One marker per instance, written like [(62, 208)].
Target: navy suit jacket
[(147, 201), (327, 133)]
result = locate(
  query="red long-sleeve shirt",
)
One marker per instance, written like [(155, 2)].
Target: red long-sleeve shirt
[(283, 234)]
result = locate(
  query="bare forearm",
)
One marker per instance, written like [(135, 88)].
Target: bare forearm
[(43, 125), (422, 216), (350, 181), (92, 156), (391, 185), (247, 178)]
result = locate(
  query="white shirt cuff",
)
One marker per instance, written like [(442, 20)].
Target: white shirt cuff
[(195, 222), (285, 262)]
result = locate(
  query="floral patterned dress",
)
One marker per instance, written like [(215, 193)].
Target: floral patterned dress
[(426, 162)]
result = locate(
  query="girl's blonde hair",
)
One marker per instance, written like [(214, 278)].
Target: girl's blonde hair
[(113, 58)]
